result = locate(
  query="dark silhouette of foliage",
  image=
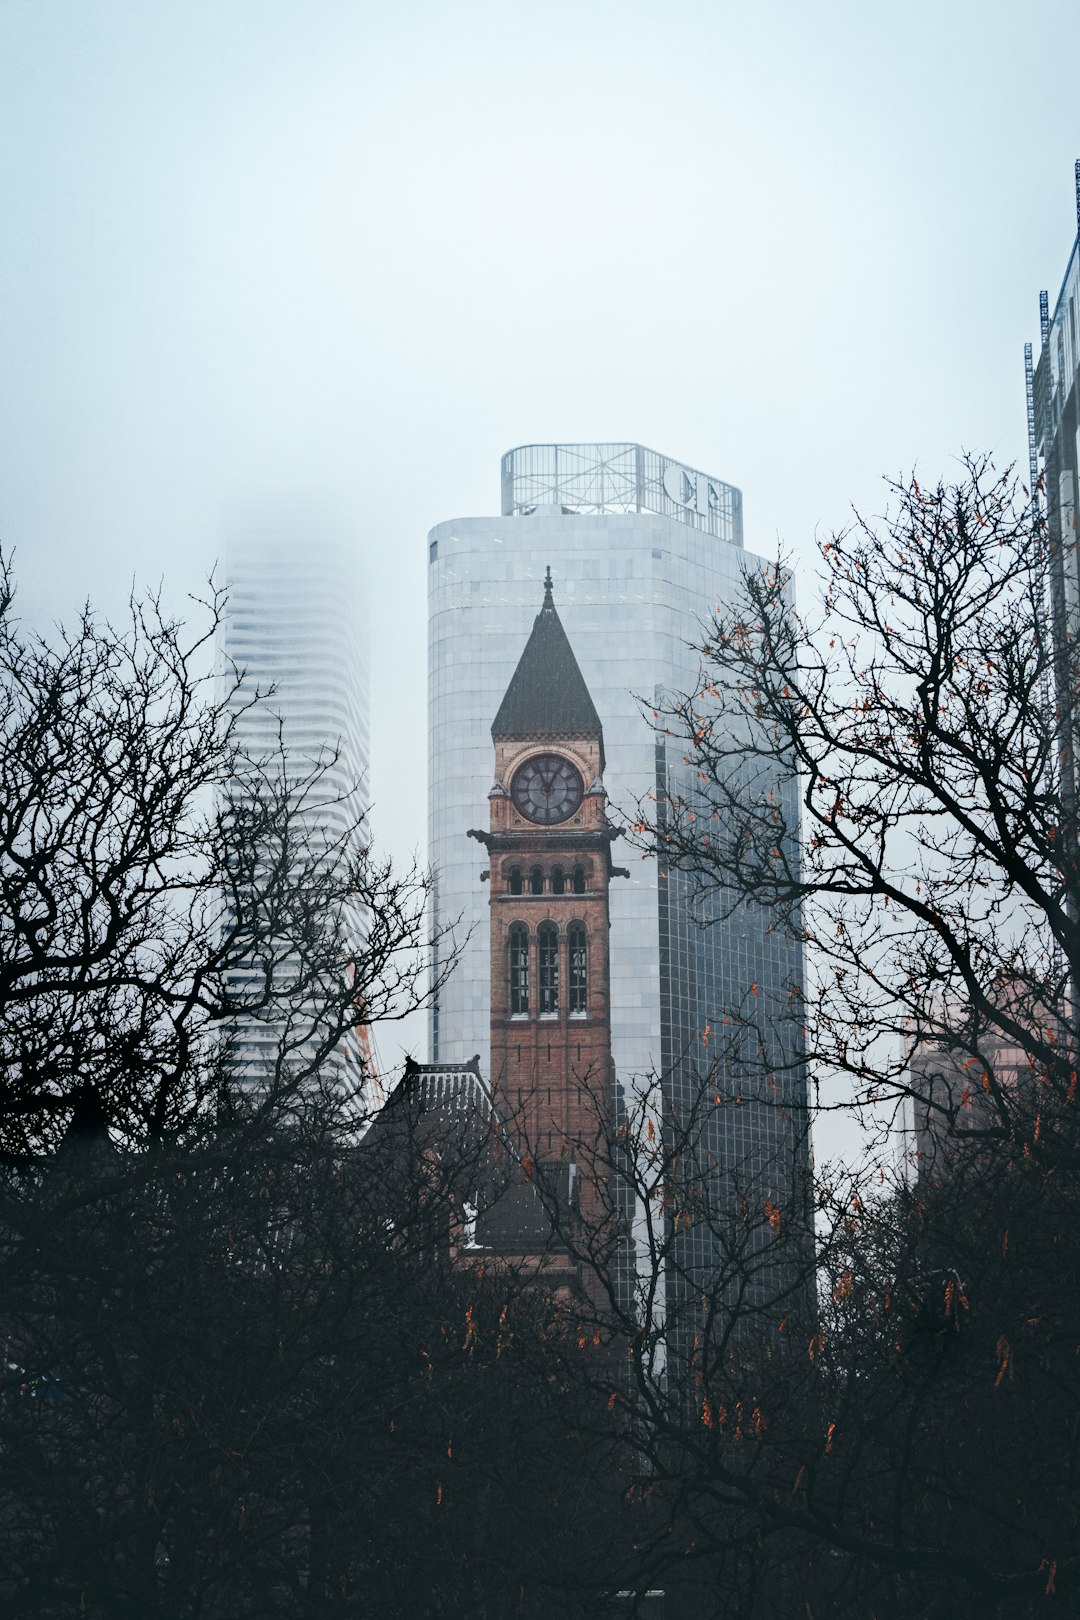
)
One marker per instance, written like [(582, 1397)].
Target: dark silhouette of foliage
[(253, 1377)]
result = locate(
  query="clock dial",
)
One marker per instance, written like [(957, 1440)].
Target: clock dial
[(547, 789)]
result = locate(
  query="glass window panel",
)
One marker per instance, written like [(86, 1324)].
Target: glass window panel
[(548, 943), (519, 969), (576, 950)]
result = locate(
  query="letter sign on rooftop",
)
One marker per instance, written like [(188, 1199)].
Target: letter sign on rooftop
[(689, 489)]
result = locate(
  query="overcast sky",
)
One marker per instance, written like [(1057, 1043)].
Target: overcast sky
[(360, 249)]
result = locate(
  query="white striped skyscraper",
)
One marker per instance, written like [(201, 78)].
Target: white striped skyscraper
[(295, 624)]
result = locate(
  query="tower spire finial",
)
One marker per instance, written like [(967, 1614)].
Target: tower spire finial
[(549, 600)]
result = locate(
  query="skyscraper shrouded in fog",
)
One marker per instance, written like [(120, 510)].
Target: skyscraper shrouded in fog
[(642, 549), (295, 625)]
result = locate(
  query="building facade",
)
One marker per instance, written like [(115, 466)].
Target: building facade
[(642, 549), (549, 847), (539, 1164), (1054, 434), (295, 626)]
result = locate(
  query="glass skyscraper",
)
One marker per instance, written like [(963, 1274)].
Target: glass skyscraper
[(642, 550)]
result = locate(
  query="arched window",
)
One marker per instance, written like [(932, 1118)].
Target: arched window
[(579, 968), (518, 949), (547, 937), (514, 880), (558, 880), (579, 880), (536, 881)]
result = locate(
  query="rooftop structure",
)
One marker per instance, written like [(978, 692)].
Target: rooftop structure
[(608, 478)]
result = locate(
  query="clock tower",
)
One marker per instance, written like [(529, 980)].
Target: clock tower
[(550, 846)]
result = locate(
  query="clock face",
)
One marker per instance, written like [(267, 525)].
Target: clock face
[(547, 789)]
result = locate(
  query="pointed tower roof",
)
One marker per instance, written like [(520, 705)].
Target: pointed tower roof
[(547, 696), (87, 1131)]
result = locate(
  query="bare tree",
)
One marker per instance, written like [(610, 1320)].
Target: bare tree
[(930, 866), (249, 1371), (156, 887), (909, 1448)]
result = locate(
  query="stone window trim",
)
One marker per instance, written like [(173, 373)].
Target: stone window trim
[(538, 880)]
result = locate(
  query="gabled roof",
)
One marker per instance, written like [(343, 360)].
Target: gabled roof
[(547, 696)]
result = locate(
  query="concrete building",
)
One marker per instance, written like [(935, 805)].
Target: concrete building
[(976, 1082), (955, 1095), (642, 548)]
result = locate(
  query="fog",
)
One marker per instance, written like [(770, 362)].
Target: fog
[(358, 250)]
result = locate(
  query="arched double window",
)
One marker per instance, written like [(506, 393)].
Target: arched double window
[(578, 964), (579, 880), (558, 880), (547, 939), (518, 953), (513, 880), (536, 881)]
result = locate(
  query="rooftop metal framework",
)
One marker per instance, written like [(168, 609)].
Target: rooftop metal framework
[(601, 478)]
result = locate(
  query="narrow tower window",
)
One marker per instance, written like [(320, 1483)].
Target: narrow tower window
[(536, 881), (518, 947), (515, 880), (579, 880), (578, 964), (548, 940), (558, 880)]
